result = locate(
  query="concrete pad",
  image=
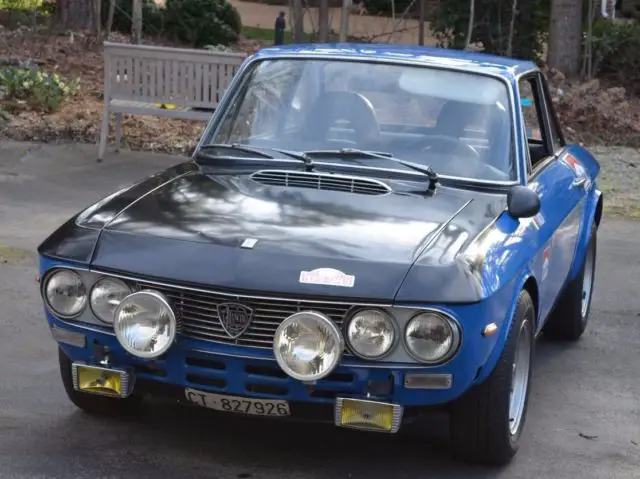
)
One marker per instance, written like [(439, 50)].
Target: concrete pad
[(42, 185)]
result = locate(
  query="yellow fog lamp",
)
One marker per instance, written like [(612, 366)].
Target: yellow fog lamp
[(368, 415), (100, 380)]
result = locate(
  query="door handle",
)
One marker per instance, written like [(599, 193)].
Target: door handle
[(580, 181)]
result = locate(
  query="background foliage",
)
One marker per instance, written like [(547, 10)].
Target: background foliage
[(195, 22), (616, 53), (450, 21)]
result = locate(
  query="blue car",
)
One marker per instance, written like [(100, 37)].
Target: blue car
[(363, 234)]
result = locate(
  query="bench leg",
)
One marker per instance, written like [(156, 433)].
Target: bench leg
[(118, 131), (104, 134)]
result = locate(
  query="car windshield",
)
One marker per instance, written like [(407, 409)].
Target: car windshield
[(456, 122)]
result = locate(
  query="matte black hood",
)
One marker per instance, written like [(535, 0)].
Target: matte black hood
[(187, 226)]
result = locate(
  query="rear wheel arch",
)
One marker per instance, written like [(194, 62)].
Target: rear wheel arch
[(598, 213), (531, 287)]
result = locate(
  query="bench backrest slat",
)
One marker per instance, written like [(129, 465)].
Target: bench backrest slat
[(195, 78)]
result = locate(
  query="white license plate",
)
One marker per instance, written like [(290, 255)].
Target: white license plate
[(222, 402)]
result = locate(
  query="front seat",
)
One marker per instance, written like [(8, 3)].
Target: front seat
[(332, 106), (456, 116)]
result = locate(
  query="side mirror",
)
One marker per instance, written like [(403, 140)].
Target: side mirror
[(522, 202)]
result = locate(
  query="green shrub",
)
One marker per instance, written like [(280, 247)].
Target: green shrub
[(16, 13), (41, 91), (616, 53), (20, 4), (202, 22)]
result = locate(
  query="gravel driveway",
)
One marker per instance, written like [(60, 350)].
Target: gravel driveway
[(620, 181)]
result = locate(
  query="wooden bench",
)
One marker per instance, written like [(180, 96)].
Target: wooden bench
[(140, 79)]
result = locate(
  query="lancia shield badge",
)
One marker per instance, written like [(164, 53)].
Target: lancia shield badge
[(234, 318)]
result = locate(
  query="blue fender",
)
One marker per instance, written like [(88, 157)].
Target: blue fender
[(592, 214), (494, 357)]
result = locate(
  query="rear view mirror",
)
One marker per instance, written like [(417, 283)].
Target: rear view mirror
[(522, 202)]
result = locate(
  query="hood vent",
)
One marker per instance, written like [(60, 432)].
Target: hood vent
[(321, 181)]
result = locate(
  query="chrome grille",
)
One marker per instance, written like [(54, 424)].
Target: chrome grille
[(321, 181), (199, 314)]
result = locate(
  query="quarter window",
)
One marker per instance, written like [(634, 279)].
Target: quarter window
[(531, 105)]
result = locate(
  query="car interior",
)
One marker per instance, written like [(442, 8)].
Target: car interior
[(464, 139)]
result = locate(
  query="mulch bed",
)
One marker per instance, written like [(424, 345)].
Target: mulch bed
[(79, 118)]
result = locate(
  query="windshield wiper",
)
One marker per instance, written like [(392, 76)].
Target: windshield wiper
[(354, 152), (308, 162)]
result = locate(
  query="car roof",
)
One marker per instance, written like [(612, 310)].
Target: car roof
[(476, 62)]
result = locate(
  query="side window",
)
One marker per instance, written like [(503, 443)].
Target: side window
[(533, 113), (557, 139)]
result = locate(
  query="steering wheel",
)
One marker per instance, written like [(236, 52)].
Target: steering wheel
[(447, 145), (463, 153)]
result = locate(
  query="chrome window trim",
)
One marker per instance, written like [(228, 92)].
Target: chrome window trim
[(239, 79), (534, 171)]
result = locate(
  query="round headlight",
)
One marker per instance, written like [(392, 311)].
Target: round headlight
[(308, 346), (65, 293), (105, 297), (371, 333), (432, 337), (145, 324)]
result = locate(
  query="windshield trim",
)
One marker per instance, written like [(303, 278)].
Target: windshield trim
[(240, 78)]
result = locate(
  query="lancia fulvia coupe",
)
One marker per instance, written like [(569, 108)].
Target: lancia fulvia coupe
[(364, 233)]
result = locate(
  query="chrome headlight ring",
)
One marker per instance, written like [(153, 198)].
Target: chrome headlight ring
[(125, 288), (385, 316), (449, 326), (71, 275), (157, 323), (294, 344)]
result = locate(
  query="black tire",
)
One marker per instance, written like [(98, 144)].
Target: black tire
[(568, 321), (93, 404), (480, 424)]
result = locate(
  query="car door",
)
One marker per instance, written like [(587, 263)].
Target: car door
[(553, 174)]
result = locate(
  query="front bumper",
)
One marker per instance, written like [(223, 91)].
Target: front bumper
[(244, 372)]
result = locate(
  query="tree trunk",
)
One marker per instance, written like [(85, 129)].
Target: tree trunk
[(565, 37), (77, 15), (110, 15), (421, 23), (323, 20), (298, 22), (136, 22), (344, 20), (472, 21)]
